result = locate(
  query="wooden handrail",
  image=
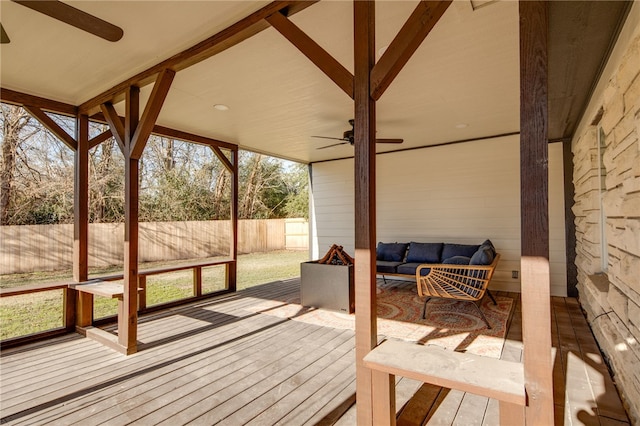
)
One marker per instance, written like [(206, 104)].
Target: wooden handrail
[(32, 288), (164, 270)]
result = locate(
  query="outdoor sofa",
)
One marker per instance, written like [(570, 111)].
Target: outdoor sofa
[(443, 270)]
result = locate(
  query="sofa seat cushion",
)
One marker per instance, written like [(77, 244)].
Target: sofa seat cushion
[(424, 252), (410, 269), (451, 250), (391, 252), (386, 267)]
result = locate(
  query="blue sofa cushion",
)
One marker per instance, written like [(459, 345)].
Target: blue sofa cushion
[(424, 252), (457, 260), (386, 267), (490, 244), (451, 250), (484, 256), (410, 269), (391, 252)]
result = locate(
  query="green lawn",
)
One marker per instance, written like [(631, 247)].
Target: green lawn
[(35, 312)]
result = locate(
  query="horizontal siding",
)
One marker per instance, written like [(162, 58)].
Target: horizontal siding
[(462, 193)]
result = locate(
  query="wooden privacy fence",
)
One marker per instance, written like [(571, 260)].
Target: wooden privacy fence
[(32, 248)]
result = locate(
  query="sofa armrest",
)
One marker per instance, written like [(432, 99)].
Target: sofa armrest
[(466, 282)]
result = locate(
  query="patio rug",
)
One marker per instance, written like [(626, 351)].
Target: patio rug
[(455, 325)]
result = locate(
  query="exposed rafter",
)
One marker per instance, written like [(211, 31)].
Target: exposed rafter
[(312, 50), (151, 112), (19, 98), (215, 44), (223, 158), (97, 140), (413, 32), (52, 126), (116, 124)]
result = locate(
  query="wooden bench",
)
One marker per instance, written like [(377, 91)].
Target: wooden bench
[(490, 377), (104, 289)]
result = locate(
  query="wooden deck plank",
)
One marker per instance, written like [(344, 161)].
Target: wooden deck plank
[(320, 403), (133, 372), (191, 401), (291, 401), (106, 403), (276, 388), (415, 411), (85, 369), (205, 357), (471, 411)]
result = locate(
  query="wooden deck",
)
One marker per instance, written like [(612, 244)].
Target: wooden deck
[(218, 362)]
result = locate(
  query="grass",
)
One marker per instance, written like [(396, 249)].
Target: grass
[(36, 312)]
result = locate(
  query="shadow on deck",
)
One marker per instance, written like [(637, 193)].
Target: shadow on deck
[(220, 361)]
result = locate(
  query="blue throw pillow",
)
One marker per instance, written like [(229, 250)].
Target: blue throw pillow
[(424, 252), (391, 252), (484, 256), (490, 244), (451, 250), (457, 260)]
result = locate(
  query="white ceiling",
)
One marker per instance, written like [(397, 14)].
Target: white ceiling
[(466, 71)]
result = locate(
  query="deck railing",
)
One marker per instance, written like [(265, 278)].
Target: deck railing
[(69, 307)]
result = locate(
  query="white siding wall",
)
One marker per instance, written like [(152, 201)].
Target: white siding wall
[(462, 193)]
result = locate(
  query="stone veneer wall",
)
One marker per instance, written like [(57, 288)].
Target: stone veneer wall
[(611, 297)]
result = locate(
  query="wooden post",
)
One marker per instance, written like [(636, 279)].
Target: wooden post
[(82, 302), (536, 301), (232, 268), (365, 201), (142, 294), (128, 325), (197, 281)]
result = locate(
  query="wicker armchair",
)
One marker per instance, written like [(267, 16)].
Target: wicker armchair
[(460, 282)]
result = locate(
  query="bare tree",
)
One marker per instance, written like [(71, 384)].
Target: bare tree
[(15, 120)]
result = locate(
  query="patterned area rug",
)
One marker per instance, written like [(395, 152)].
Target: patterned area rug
[(452, 324)]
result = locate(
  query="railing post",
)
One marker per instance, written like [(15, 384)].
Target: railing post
[(197, 281), (142, 294)]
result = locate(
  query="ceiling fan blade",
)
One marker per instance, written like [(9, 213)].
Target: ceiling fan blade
[(74, 17), (335, 144), (4, 38), (328, 137), (389, 140)]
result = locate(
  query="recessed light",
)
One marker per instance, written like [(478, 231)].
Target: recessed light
[(462, 126), (221, 107)]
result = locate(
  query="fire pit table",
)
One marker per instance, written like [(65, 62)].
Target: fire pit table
[(328, 283)]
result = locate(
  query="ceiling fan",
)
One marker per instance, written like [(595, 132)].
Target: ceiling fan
[(348, 138), (69, 15)]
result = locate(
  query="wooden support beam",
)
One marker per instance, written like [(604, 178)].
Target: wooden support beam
[(97, 140), (232, 268), (365, 202), (312, 50), (128, 317), (18, 98), (178, 134), (534, 172), (223, 158), (52, 126), (413, 32), (190, 137), (115, 123), (151, 112), (83, 302), (230, 36)]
